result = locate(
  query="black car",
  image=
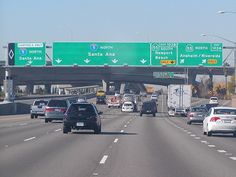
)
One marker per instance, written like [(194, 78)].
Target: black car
[(82, 116), (208, 106), (149, 107), (101, 100)]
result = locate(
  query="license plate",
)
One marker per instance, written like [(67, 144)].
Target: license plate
[(58, 110), (80, 124)]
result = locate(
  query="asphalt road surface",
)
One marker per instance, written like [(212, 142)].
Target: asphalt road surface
[(129, 146)]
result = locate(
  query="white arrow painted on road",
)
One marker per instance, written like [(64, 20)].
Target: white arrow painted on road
[(87, 60), (114, 60), (58, 60), (143, 61)]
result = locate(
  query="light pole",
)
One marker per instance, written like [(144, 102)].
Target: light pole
[(234, 48)]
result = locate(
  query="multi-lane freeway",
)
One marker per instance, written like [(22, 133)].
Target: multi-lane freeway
[(129, 146)]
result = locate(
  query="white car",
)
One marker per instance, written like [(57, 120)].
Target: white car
[(127, 107), (220, 120), (213, 100)]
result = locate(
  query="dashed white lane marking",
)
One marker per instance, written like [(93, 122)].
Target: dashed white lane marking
[(122, 131), (205, 142), (197, 138), (58, 130), (192, 135), (211, 145), (228, 154), (6, 146), (116, 140), (23, 124), (127, 122), (221, 151), (125, 126), (233, 158), (103, 160), (28, 139)]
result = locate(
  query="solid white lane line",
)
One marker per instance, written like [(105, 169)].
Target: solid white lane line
[(211, 145), (28, 139), (103, 160), (58, 130), (122, 131), (116, 140), (221, 151), (233, 158)]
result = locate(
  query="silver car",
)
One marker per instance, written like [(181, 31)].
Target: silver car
[(55, 109), (38, 108), (220, 120), (196, 115)]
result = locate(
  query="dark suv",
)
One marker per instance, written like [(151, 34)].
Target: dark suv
[(149, 107), (82, 116)]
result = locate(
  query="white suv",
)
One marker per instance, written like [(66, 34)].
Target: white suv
[(213, 100)]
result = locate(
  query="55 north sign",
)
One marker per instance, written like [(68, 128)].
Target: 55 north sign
[(22, 54)]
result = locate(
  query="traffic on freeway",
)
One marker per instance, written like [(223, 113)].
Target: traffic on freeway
[(120, 143)]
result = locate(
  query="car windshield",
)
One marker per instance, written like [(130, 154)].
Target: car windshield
[(81, 110), (57, 103), (41, 103), (225, 111)]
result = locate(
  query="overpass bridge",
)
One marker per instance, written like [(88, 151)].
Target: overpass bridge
[(49, 75)]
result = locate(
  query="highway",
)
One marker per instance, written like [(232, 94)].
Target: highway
[(129, 146)]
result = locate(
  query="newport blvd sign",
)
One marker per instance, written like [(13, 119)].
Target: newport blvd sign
[(22, 54), (100, 54)]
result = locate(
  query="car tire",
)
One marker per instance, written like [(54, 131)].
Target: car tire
[(141, 115), (46, 120), (234, 134), (189, 122), (209, 134), (31, 116), (204, 133), (154, 115), (36, 116), (97, 129), (66, 129)]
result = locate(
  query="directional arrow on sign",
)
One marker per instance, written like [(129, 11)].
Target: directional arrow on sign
[(29, 62), (114, 60), (143, 61), (58, 60), (87, 60)]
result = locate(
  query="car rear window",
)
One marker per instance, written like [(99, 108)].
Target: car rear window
[(40, 102), (81, 110), (225, 111), (198, 110), (57, 103), (148, 105)]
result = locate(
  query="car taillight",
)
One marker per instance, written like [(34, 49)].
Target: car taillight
[(214, 119), (63, 110), (48, 109), (191, 114)]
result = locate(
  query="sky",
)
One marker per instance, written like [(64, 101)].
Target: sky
[(116, 20)]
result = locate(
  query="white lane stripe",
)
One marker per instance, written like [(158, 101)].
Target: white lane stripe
[(197, 138), (221, 151), (58, 130), (103, 160), (122, 131), (125, 126), (116, 140), (192, 135), (205, 142), (24, 124), (28, 139), (211, 145), (233, 158)]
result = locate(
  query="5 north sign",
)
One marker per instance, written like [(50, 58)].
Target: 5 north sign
[(22, 54), (101, 53)]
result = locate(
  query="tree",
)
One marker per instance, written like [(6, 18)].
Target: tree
[(231, 84)]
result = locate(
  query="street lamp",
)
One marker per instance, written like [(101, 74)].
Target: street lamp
[(234, 48), (225, 12)]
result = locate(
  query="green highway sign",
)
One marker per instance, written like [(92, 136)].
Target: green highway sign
[(101, 53), (137, 54), (203, 54), (163, 75), (22, 54), (163, 54)]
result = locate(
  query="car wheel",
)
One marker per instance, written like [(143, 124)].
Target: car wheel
[(97, 129), (154, 115), (204, 133), (189, 122), (209, 133), (234, 134), (66, 129), (36, 116), (46, 120), (31, 116), (141, 115)]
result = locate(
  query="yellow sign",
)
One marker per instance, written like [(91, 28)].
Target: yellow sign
[(212, 61), (167, 62)]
